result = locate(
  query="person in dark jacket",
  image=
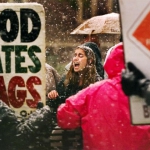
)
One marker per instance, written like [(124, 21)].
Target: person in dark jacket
[(26, 134), (81, 74)]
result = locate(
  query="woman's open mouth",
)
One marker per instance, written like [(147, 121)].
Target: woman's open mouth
[(76, 65)]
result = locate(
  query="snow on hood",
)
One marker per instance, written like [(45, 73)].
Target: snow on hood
[(115, 61)]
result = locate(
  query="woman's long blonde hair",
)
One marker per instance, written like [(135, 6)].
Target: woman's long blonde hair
[(88, 73)]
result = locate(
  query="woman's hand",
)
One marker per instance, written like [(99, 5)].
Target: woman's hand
[(53, 94)]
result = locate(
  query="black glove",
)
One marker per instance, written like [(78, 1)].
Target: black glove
[(130, 80), (134, 83)]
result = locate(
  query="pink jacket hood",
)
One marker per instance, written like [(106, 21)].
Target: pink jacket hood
[(115, 61)]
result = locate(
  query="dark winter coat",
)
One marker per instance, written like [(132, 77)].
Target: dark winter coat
[(65, 92), (29, 134)]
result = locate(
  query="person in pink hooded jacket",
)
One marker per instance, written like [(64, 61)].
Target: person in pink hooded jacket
[(102, 111)]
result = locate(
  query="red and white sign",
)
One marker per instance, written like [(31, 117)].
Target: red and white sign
[(22, 56), (140, 30), (135, 20)]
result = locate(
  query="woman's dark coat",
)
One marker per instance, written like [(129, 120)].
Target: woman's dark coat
[(65, 92)]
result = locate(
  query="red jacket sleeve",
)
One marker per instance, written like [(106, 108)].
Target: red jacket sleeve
[(70, 113), (67, 118)]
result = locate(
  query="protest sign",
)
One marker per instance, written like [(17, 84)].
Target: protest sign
[(135, 20), (22, 56)]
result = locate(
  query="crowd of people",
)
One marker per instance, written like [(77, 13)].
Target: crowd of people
[(102, 111), (85, 69), (84, 99)]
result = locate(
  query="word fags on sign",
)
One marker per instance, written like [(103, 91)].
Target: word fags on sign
[(18, 97), (22, 66), (10, 15)]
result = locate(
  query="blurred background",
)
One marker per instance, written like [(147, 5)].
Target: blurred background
[(62, 17)]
